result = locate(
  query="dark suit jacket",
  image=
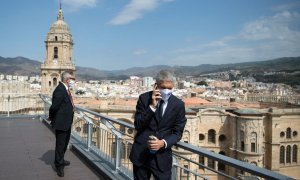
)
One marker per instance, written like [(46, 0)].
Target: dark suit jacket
[(61, 111), (147, 123)]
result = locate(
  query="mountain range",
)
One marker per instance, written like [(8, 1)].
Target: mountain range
[(28, 67)]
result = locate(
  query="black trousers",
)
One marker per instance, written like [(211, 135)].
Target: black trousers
[(144, 172), (62, 141)]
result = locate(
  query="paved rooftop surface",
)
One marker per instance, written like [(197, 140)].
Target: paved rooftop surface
[(27, 153)]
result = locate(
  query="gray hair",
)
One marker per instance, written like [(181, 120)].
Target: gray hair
[(65, 75), (165, 75)]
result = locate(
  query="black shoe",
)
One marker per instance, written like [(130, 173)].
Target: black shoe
[(60, 172), (67, 163)]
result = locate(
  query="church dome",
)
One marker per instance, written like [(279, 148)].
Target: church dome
[(60, 26), (59, 30)]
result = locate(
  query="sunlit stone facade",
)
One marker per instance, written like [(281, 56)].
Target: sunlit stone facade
[(59, 46)]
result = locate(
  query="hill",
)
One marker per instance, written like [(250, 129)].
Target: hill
[(25, 66), (28, 67)]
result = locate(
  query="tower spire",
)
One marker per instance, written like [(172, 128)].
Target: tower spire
[(60, 15)]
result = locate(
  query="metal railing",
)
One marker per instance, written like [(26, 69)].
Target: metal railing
[(20, 103), (111, 140)]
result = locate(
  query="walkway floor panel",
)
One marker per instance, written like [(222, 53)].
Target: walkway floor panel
[(27, 152)]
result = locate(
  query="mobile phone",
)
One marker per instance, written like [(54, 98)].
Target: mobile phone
[(152, 137)]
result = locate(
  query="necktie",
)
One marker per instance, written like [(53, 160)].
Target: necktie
[(70, 96), (160, 109)]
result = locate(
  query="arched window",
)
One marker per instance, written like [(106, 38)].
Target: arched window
[(288, 133), (186, 136), (221, 166), (242, 141), (55, 53), (295, 149), (186, 166), (55, 38), (281, 154), (212, 136), (49, 83), (288, 154), (54, 81), (253, 141)]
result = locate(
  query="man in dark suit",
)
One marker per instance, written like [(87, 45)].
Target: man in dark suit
[(61, 115), (160, 115)]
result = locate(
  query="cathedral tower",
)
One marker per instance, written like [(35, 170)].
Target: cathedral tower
[(59, 45)]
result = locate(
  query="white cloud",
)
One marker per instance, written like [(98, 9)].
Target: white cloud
[(140, 52), (266, 38), (288, 6), (275, 27), (135, 10), (75, 5)]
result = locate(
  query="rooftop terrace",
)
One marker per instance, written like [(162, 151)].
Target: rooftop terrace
[(27, 152), (99, 150)]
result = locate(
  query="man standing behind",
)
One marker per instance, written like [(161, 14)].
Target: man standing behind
[(61, 115), (159, 121)]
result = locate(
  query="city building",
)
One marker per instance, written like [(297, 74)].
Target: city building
[(148, 81), (266, 138)]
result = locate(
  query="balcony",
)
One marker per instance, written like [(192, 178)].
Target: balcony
[(99, 147)]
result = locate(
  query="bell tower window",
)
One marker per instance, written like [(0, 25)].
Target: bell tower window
[(55, 38), (55, 52), (54, 81)]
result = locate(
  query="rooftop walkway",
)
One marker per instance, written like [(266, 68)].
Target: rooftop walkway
[(27, 152)]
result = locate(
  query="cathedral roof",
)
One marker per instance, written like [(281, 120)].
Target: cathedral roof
[(60, 26), (247, 112)]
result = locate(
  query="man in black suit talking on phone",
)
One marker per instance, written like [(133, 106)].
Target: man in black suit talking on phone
[(159, 121)]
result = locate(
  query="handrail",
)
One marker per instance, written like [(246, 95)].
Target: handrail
[(106, 117), (265, 173), (262, 172)]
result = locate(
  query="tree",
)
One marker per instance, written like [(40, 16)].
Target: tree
[(201, 83)]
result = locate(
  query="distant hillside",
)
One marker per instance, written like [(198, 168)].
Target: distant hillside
[(19, 66), (24, 66), (280, 64), (28, 67)]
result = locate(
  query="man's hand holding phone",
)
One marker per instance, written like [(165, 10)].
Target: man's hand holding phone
[(154, 144), (155, 96)]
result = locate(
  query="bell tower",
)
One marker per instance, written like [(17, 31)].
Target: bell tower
[(59, 47)]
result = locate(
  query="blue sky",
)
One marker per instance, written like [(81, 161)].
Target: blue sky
[(119, 34)]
